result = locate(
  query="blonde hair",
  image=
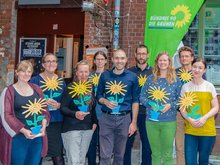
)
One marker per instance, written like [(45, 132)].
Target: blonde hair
[(24, 65), (171, 74), (82, 62)]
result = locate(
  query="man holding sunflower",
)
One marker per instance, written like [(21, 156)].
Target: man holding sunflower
[(142, 70), (118, 93), (186, 56)]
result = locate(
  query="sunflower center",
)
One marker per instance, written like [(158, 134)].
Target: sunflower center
[(35, 108), (81, 89), (116, 89), (158, 95)]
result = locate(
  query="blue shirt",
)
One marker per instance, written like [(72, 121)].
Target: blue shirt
[(122, 89), (55, 94), (167, 94), (142, 77)]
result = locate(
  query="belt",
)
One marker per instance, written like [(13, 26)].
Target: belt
[(122, 113)]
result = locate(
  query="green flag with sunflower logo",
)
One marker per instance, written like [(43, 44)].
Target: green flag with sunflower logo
[(167, 21)]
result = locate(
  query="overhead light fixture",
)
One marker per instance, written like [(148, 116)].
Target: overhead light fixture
[(88, 6)]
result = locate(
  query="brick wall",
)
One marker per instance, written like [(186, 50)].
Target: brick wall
[(132, 24), (8, 17)]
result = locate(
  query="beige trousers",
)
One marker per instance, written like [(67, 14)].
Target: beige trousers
[(180, 155)]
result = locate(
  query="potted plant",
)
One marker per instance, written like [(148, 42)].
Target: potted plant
[(82, 89), (35, 109)]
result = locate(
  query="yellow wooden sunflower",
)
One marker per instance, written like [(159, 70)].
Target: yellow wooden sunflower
[(184, 75), (114, 88), (187, 100), (34, 108), (158, 94), (94, 78), (80, 89), (142, 80), (51, 84)]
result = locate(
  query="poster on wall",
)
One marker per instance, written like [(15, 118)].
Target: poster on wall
[(33, 49)]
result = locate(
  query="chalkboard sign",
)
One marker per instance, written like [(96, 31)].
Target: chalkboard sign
[(33, 49)]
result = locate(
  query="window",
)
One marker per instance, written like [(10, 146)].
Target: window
[(204, 37)]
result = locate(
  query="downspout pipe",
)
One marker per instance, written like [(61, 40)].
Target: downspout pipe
[(116, 24)]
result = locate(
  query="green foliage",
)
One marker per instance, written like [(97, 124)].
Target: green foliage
[(196, 108), (46, 96), (161, 108), (56, 94), (152, 104), (39, 118), (86, 98), (155, 106), (193, 112), (111, 98), (29, 122), (121, 100), (76, 102)]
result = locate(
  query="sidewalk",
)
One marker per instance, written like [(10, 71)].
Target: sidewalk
[(214, 160), (135, 158)]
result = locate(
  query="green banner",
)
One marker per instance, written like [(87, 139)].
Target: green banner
[(167, 21)]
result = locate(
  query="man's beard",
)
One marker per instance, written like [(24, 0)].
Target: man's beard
[(142, 61)]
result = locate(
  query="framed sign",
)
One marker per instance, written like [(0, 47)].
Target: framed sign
[(33, 49)]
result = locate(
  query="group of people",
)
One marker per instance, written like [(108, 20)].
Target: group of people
[(106, 108)]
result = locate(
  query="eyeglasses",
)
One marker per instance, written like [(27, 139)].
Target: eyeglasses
[(143, 54), (51, 62), (100, 59)]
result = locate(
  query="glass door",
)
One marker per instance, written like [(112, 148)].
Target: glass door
[(204, 37), (212, 41)]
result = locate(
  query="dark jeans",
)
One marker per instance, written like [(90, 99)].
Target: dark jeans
[(113, 134), (201, 145), (146, 151), (91, 154), (26, 151)]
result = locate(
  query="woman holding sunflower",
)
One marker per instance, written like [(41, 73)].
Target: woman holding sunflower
[(78, 108), (52, 87), (199, 104), (24, 117), (160, 96), (99, 66)]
